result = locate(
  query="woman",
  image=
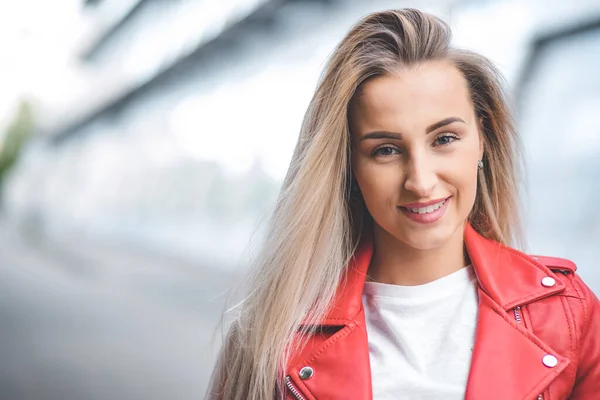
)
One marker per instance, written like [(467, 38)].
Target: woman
[(386, 271)]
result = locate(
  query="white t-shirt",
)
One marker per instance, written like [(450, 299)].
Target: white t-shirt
[(421, 337)]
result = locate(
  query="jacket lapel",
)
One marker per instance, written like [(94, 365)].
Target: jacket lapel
[(508, 276), (507, 358), (341, 365), (341, 361)]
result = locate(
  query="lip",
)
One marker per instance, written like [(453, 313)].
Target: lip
[(426, 204), (427, 218)]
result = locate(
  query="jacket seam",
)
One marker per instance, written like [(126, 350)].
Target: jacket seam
[(568, 323), (331, 341), (573, 343), (572, 314), (336, 319), (585, 324), (525, 300)]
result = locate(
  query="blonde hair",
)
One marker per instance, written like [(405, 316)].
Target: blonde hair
[(315, 226)]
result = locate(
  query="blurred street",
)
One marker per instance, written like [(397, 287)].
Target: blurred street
[(90, 322)]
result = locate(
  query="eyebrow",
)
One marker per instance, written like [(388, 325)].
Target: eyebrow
[(398, 136), (444, 122)]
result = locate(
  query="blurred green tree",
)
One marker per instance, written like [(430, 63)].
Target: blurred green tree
[(16, 135)]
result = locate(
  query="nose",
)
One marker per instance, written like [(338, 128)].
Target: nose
[(420, 177)]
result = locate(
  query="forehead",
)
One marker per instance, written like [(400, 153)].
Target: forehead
[(413, 97)]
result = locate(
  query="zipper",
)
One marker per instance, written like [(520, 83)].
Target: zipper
[(562, 271), (292, 388), (517, 311)]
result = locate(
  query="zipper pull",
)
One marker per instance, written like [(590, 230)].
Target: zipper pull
[(293, 389)]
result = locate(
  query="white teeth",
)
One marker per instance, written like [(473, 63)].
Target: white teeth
[(428, 209)]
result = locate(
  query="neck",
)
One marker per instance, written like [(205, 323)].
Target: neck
[(396, 263)]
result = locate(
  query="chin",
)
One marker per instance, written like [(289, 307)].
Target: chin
[(427, 238), (424, 240)]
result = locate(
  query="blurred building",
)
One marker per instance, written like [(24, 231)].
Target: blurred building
[(558, 101), (167, 127), (181, 116)]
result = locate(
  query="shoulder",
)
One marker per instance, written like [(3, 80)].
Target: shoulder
[(573, 333), (581, 300), (563, 267), (556, 264), (583, 309), (566, 271)]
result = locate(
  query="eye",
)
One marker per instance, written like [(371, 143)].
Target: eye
[(385, 151), (445, 139)]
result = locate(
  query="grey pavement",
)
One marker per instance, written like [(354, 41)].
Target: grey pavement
[(84, 320)]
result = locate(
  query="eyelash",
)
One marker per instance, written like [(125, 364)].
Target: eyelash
[(447, 135), (452, 136)]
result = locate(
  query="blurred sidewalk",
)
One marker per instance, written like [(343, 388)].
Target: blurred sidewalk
[(84, 320)]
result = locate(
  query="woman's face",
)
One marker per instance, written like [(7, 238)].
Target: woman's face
[(415, 149)]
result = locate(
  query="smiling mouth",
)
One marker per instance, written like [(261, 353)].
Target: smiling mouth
[(425, 210)]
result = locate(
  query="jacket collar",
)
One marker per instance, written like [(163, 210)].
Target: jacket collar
[(507, 360), (509, 277)]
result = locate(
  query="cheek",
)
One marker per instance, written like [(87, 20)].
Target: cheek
[(463, 178), (379, 185)]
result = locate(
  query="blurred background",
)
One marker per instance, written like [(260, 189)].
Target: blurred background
[(143, 143)]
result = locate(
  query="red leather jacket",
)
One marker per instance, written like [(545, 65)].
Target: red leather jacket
[(537, 336)]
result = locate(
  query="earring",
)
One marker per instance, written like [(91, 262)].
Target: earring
[(480, 164)]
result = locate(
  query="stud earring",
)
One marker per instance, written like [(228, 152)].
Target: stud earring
[(480, 164)]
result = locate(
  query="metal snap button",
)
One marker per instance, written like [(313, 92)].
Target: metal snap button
[(550, 361), (306, 373), (548, 281)]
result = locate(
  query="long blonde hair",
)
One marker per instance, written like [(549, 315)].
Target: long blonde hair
[(315, 227)]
